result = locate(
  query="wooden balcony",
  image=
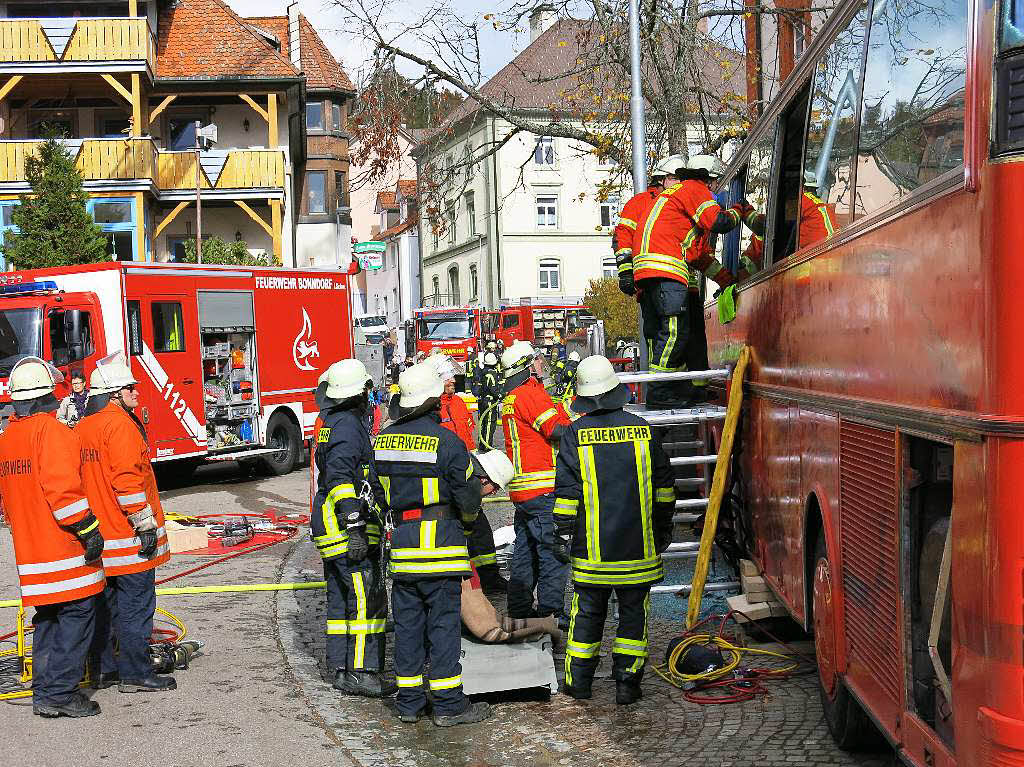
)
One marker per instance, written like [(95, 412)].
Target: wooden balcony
[(96, 159), (231, 169), (47, 44)]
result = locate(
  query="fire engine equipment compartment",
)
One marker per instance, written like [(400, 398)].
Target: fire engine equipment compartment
[(227, 332)]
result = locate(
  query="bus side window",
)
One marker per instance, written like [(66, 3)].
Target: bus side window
[(831, 136), (791, 176), (758, 183)]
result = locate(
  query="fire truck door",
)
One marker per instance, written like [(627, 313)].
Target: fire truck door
[(171, 361)]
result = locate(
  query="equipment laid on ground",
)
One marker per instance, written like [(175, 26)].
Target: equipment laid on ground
[(236, 530), (168, 657), (498, 667)]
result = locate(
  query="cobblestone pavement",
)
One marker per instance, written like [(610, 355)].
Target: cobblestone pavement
[(532, 731)]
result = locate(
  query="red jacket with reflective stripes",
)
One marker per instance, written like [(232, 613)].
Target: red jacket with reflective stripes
[(455, 416), (665, 244), (816, 220), (119, 481), (633, 212), (42, 493), (529, 417)]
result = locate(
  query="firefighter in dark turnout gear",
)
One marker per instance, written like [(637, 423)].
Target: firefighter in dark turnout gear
[(347, 532), (425, 471), (490, 399), (615, 496)]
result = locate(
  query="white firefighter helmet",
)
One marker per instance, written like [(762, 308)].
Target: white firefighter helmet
[(112, 374), (574, 356), (668, 166), (346, 378), (443, 366), (810, 178), (490, 359), (518, 357), (496, 467), (707, 162), (417, 385), (595, 376), (32, 378)]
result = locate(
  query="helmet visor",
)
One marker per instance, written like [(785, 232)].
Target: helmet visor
[(55, 374)]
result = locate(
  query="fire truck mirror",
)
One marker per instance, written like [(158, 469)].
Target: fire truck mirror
[(76, 334)]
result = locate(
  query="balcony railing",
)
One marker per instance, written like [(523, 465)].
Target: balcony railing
[(76, 40), (127, 159)]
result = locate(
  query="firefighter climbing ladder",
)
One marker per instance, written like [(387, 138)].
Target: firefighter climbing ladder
[(714, 487)]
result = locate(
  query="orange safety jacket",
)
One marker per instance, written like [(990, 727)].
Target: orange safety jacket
[(41, 488), (529, 418), (633, 212), (119, 481), (455, 416), (816, 221), (666, 245)]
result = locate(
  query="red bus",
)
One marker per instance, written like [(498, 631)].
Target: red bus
[(883, 445)]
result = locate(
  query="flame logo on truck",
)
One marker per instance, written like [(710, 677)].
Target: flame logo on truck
[(304, 347)]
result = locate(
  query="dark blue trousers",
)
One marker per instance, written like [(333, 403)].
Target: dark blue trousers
[(533, 564), (124, 618), (427, 615), (60, 648), (357, 611)]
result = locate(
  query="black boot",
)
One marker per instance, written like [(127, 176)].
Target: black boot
[(78, 706), (412, 718), (475, 712), (149, 684), (492, 580), (370, 684), (627, 693), (103, 681), (579, 692)]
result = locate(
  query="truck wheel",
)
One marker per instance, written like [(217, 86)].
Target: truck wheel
[(283, 435), (850, 726)]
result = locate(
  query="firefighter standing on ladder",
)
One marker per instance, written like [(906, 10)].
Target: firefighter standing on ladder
[(615, 498)]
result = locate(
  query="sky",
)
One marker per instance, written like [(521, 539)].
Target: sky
[(497, 49)]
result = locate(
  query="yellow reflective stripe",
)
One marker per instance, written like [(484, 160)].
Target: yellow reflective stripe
[(673, 335), (484, 560), (360, 648), (428, 534), (337, 493), (701, 208), (823, 210), (419, 568), (689, 238), (566, 507), (627, 222), (618, 580), (642, 454), (573, 611), (89, 529), (665, 495), (637, 647), (447, 683), (336, 627), (385, 482), (543, 418), (442, 552), (409, 681), (513, 438), (592, 501), (431, 492), (616, 565), (581, 650), (661, 263), (372, 626), (652, 217), (469, 470)]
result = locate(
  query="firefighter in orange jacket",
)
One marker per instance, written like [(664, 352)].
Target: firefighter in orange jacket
[(533, 428), (455, 416), (665, 249), (633, 212), (57, 540), (118, 477), (816, 221)]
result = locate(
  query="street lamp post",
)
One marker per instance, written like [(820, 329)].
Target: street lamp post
[(639, 137)]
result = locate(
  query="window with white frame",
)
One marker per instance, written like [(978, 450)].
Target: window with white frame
[(436, 284), (470, 214), (550, 274), (608, 267), (544, 151), (453, 286), (547, 211), (449, 214), (610, 211), (474, 285)]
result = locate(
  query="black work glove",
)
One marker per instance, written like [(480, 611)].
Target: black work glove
[(561, 548), (662, 540), (626, 283), (93, 543), (358, 543), (147, 547)]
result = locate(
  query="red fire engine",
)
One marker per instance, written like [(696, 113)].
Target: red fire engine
[(542, 324), (227, 357), (452, 329)]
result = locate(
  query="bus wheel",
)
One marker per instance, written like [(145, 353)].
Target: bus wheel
[(851, 728), (282, 435)]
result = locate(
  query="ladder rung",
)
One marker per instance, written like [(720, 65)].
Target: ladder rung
[(692, 460), (681, 416), (679, 555), (685, 588), (685, 546), (685, 375), (690, 482), (695, 445), (692, 503), (682, 519)]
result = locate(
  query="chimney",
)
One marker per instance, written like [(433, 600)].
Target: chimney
[(294, 46), (541, 19)]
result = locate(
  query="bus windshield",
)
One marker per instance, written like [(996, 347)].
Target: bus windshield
[(1013, 24), (21, 335), (444, 327)]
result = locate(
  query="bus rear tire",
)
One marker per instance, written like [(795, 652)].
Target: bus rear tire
[(851, 727), (282, 433)]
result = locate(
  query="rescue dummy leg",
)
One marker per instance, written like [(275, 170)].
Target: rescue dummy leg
[(666, 327), (483, 622), (60, 648), (583, 645), (629, 654)]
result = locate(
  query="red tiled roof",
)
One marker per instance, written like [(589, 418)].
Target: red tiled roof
[(206, 40), (385, 201), (322, 70), (397, 229), (406, 188)]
